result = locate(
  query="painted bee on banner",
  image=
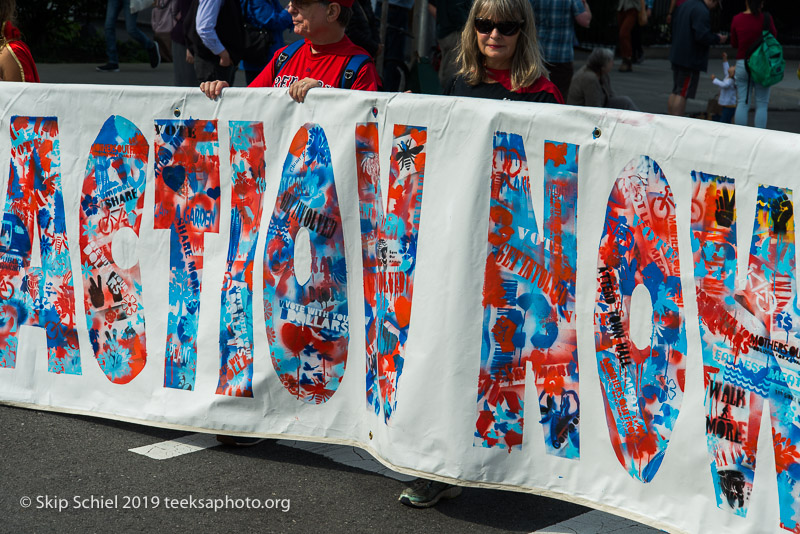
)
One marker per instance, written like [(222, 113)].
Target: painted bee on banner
[(407, 155)]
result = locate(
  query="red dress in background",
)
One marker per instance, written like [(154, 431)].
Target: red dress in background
[(11, 38)]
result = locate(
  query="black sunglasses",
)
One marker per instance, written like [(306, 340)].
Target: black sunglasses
[(505, 27)]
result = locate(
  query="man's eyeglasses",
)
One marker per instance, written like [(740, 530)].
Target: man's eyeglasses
[(506, 27)]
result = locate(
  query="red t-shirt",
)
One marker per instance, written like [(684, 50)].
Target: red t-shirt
[(327, 65), (746, 29)]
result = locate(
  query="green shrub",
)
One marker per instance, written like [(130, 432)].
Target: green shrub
[(59, 31)]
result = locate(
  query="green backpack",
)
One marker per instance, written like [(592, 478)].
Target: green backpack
[(765, 63)]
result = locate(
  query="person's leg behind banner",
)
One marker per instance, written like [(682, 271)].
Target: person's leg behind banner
[(424, 493), (139, 36)]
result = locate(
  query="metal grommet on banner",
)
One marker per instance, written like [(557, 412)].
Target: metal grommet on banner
[(596, 133), (176, 112), (370, 434)]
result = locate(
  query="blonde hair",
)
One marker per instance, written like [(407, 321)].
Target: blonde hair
[(527, 65), (7, 9)]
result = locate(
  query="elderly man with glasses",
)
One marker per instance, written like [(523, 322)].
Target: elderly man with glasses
[(325, 57)]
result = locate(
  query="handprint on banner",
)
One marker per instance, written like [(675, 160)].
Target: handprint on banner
[(747, 358), (113, 200), (726, 206)]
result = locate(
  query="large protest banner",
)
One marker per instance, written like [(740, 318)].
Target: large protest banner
[(407, 274)]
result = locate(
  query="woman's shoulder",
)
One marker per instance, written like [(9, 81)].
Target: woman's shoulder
[(10, 69)]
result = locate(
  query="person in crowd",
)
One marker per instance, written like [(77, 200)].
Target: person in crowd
[(320, 60), (218, 29), (628, 20), (16, 61), (162, 20), (499, 58), (591, 85), (727, 90), (499, 55), (182, 57), (746, 29), (555, 24), (672, 5), (394, 51), (637, 47), (691, 39), (364, 28), (112, 12), (269, 16), (451, 15)]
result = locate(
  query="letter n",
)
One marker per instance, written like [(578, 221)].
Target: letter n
[(36, 296), (523, 322), (730, 316), (642, 388), (389, 253), (187, 203), (117, 168), (236, 313), (308, 351)]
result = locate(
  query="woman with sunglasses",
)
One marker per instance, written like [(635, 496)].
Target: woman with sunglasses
[(499, 55)]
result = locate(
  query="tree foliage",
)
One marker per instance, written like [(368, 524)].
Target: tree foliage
[(58, 31)]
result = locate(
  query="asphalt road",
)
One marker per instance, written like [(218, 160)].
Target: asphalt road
[(51, 459)]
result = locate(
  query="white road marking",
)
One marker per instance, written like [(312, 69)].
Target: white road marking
[(176, 447)]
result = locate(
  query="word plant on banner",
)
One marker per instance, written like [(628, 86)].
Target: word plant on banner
[(685, 360), (187, 203)]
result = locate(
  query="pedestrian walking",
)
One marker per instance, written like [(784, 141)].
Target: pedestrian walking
[(113, 7), (691, 39), (746, 29)]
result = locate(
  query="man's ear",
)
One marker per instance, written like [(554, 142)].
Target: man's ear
[(333, 12)]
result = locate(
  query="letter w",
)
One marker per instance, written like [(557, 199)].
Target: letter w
[(730, 317)]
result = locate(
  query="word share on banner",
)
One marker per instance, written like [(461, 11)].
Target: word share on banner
[(112, 200), (307, 323), (187, 204), (749, 337), (529, 301), (389, 253)]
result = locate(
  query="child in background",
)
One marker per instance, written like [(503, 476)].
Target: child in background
[(727, 91)]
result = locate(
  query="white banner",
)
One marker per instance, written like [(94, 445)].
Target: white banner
[(408, 274)]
